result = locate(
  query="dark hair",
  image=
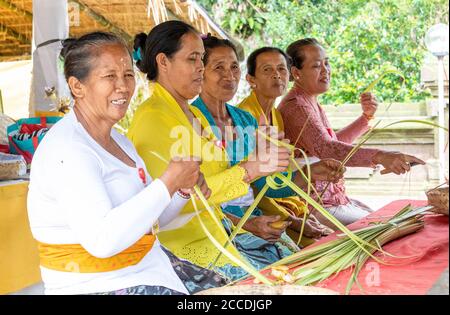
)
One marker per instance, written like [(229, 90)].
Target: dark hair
[(251, 60), (79, 53), (295, 50), (210, 42), (163, 38)]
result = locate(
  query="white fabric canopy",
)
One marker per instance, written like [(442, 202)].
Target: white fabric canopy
[(50, 22)]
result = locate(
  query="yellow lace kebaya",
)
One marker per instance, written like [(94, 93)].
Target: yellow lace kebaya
[(160, 126)]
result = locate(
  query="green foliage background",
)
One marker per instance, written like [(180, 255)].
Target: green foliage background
[(362, 38)]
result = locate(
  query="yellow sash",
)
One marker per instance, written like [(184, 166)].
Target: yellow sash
[(252, 105), (74, 258)]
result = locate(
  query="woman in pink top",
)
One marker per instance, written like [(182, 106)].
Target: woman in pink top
[(311, 74)]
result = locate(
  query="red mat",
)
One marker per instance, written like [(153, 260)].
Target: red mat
[(414, 278)]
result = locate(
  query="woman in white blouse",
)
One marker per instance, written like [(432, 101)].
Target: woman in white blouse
[(92, 206)]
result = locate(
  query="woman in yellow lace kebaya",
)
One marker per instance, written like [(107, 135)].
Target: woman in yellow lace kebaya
[(164, 127), (268, 75)]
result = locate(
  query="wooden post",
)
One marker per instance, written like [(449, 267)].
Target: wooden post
[(1, 103)]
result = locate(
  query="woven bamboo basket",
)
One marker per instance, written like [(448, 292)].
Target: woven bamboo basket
[(260, 289), (438, 198), (12, 166), (5, 121)]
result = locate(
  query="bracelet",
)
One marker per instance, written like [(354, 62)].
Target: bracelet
[(183, 195), (368, 117), (246, 177)]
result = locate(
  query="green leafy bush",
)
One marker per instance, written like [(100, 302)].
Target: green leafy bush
[(362, 38)]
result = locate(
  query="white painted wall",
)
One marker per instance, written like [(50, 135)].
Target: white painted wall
[(15, 83)]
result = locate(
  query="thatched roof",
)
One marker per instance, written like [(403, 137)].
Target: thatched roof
[(125, 17)]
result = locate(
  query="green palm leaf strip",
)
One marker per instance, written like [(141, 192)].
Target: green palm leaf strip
[(240, 262), (243, 220), (372, 85), (315, 264)]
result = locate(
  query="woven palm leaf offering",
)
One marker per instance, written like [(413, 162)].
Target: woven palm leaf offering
[(318, 263), (438, 199), (296, 274)]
